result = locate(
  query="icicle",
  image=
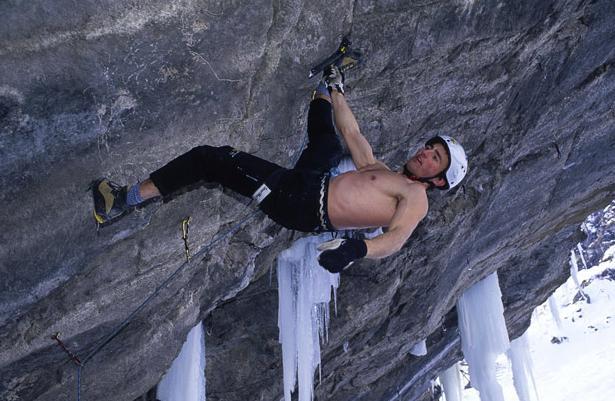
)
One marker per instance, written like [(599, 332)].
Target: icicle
[(429, 365), (483, 334), (287, 306), (451, 383), (580, 249), (419, 349), (555, 312), (185, 380), (304, 290), (574, 269), (523, 377), (574, 272)]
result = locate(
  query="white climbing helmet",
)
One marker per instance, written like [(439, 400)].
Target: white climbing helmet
[(458, 162)]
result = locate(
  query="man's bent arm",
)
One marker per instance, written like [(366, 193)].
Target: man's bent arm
[(360, 150), (402, 225)]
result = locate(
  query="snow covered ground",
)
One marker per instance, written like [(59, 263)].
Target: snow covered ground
[(581, 367)]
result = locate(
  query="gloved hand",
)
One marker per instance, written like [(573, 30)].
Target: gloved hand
[(338, 254), (334, 79)]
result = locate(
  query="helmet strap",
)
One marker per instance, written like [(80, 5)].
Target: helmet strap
[(426, 180)]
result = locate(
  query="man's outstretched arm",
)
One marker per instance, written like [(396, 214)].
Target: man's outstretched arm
[(360, 150)]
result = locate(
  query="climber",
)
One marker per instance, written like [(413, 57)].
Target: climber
[(306, 198)]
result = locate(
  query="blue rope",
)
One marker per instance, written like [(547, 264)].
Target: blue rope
[(78, 383)]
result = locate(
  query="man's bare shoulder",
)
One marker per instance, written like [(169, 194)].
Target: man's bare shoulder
[(416, 194)]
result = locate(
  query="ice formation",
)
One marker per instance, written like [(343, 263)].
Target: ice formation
[(185, 380), (419, 349), (304, 293), (555, 312), (345, 165), (483, 335), (523, 377), (574, 269), (580, 249), (574, 272), (451, 383), (431, 363)]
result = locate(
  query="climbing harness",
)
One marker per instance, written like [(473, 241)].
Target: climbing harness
[(185, 227), (324, 220)]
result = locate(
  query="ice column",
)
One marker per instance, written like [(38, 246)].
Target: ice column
[(483, 335), (185, 380), (451, 383), (304, 291), (580, 249), (574, 272), (574, 269), (523, 378), (555, 312)]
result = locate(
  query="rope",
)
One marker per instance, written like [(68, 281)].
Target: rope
[(79, 383), (165, 283)]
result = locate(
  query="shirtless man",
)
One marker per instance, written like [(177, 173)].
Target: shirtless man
[(306, 198)]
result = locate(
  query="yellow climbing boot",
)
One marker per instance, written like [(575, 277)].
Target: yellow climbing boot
[(109, 201)]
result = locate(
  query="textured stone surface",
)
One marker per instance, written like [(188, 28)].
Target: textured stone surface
[(119, 88)]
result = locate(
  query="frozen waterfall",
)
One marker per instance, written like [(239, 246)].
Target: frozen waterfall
[(304, 291), (185, 380), (521, 360), (451, 383), (483, 335)]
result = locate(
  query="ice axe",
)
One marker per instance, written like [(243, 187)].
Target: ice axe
[(344, 57)]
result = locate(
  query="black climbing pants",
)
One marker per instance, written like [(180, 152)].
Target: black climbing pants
[(298, 198)]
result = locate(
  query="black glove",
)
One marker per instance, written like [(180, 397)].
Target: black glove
[(338, 254), (334, 79)]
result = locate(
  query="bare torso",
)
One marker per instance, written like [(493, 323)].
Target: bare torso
[(368, 197)]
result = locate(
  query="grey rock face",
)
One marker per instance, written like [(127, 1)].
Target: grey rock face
[(118, 89)]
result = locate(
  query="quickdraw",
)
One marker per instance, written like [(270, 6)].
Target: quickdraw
[(185, 228)]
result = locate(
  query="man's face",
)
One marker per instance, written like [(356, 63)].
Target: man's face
[(428, 161)]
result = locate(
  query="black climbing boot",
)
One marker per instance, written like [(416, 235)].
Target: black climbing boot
[(109, 201)]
